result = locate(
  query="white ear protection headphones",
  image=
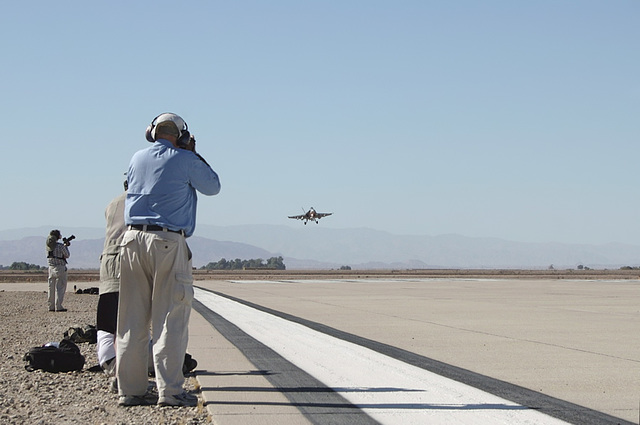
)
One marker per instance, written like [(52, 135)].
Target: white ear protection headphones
[(183, 138)]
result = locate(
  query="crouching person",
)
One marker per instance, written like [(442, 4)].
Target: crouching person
[(107, 314)]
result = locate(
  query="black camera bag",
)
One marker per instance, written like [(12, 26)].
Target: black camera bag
[(87, 333), (64, 358)]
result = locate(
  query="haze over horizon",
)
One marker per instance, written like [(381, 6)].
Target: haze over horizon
[(498, 119), (321, 247)]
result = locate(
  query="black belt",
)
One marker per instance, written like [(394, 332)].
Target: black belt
[(153, 228)]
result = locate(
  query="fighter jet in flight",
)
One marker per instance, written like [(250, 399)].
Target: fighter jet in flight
[(310, 215)]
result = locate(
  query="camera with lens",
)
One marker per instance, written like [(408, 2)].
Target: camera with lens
[(67, 241)]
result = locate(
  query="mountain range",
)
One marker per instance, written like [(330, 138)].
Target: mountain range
[(318, 247)]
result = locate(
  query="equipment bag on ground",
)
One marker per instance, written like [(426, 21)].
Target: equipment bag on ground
[(64, 358), (87, 333)]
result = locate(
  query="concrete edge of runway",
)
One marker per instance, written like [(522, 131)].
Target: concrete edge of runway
[(311, 397)]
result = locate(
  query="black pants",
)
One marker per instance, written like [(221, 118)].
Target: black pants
[(107, 319)]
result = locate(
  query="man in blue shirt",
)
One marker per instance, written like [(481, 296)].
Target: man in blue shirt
[(156, 285)]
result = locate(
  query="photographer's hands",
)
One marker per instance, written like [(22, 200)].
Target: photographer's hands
[(191, 146)]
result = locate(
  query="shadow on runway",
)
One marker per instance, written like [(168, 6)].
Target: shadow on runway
[(246, 373)]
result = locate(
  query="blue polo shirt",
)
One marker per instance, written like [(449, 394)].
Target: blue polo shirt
[(163, 181)]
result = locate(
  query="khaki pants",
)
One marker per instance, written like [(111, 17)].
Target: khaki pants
[(57, 286), (156, 291)]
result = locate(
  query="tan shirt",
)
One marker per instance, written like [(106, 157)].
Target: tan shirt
[(110, 258)]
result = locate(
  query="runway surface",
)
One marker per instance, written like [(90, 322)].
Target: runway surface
[(416, 351)]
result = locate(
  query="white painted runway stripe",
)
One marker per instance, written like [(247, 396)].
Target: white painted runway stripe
[(388, 390)]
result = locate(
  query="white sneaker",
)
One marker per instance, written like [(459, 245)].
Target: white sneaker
[(133, 400), (183, 399)]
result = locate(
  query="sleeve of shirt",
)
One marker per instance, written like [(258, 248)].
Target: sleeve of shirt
[(203, 178)]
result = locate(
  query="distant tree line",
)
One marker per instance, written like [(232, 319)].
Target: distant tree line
[(274, 263), (21, 265)]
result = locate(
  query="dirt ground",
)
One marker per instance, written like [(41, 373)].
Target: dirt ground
[(94, 276)]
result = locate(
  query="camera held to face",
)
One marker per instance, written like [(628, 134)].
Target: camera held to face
[(67, 241)]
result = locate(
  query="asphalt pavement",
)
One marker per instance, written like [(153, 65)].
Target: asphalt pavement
[(567, 349)]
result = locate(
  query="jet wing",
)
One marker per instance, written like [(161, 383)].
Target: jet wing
[(320, 215), (297, 217)]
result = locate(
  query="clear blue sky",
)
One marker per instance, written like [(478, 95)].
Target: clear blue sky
[(509, 119)]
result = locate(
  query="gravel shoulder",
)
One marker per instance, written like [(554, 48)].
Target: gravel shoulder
[(81, 397)]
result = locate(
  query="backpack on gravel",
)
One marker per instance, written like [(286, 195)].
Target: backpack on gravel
[(87, 333), (65, 357)]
